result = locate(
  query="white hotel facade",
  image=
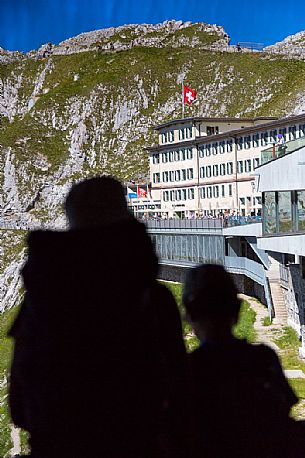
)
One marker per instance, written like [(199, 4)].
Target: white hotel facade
[(205, 166)]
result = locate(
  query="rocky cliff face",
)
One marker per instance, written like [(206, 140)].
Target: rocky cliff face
[(88, 106)]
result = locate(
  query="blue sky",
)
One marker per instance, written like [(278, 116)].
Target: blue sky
[(27, 24)]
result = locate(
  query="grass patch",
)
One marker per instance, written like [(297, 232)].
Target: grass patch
[(6, 320), (245, 326), (288, 338), (266, 321), (243, 330)]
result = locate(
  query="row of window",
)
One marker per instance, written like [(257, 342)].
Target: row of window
[(215, 170), (283, 211), (173, 156), (185, 133), (225, 146), (174, 175), (167, 137), (179, 194), (206, 172), (207, 192), (246, 142)]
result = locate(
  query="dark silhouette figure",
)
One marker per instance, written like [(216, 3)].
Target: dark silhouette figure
[(242, 398), (99, 359)]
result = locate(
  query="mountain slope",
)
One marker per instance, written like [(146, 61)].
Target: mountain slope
[(89, 106)]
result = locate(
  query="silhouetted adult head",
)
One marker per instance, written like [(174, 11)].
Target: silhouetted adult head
[(211, 302), (96, 202)]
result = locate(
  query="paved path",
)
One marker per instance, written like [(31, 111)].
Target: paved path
[(265, 334)]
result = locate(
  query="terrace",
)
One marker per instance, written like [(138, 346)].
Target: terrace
[(275, 151)]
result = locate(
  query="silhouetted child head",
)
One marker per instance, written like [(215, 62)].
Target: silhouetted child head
[(211, 302), (96, 202)]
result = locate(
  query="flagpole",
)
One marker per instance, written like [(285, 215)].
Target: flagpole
[(182, 97)]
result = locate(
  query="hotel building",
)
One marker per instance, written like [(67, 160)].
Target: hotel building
[(204, 166)]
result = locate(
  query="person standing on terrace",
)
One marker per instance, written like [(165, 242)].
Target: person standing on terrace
[(98, 366), (241, 396)]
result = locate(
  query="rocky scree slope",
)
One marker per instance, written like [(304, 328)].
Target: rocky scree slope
[(88, 106)]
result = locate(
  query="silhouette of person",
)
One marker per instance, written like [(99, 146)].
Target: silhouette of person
[(98, 342), (242, 398)]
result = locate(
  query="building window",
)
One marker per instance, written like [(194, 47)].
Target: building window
[(285, 211), (273, 136), (156, 158), (240, 143), (242, 201), (258, 200), (215, 170), (183, 174), (292, 133), (215, 148), (177, 175), (264, 138), (229, 168), (255, 162), (247, 142), (248, 165), (283, 131), (229, 146), (167, 136), (222, 190), (182, 155), (171, 175), (208, 150), (190, 174), (191, 193), (156, 177), (164, 157), (209, 192), (216, 191), (208, 171), (255, 139), (188, 132), (172, 195), (171, 156), (212, 130), (202, 172), (301, 130), (202, 193), (201, 151), (269, 212), (300, 210), (222, 169), (176, 156), (240, 167), (189, 153), (165, 177), (230, 190), (178, 194), (181, 134), (183, 194), (165, 196), (222, 147)]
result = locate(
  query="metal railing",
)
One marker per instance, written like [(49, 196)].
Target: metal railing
[(185, 224)]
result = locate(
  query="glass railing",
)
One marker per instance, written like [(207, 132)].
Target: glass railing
[(276, 151), (241, 220)]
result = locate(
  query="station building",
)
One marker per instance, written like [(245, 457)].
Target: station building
[(204, 166)]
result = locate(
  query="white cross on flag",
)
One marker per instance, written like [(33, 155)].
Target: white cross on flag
[(190, 95)]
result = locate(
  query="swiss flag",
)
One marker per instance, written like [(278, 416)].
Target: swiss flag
[(190, 95), (142, 193)]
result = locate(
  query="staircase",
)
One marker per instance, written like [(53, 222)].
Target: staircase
[(278, 299)]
